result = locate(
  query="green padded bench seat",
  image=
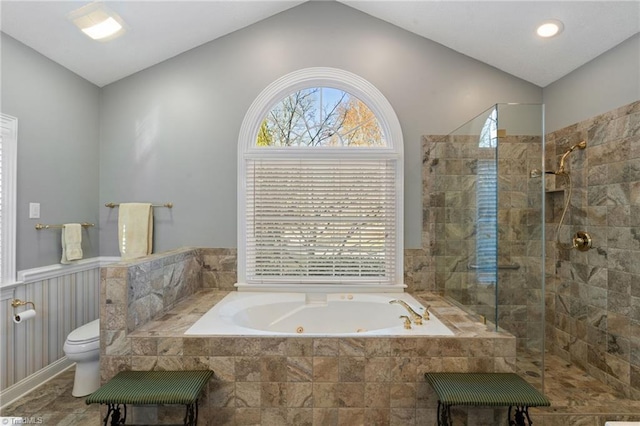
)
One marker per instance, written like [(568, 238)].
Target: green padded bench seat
[(151, 387), (485, 389)]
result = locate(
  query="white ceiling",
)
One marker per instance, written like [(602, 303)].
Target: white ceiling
[(499, 33)]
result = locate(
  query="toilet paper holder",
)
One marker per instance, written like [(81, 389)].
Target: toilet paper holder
[(25, 315), (17, 302)]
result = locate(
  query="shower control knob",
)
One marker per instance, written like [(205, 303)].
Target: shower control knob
[(582, 241)]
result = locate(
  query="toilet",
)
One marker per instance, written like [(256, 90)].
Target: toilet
[(83, 347)]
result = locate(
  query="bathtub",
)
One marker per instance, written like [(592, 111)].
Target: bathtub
[(313, 314)]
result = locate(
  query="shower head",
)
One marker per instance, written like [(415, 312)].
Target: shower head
[(581, 145)]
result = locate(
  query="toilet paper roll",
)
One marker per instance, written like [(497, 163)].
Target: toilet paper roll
[(24, 316)]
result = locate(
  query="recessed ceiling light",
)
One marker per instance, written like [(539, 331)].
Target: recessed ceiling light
[(97, 21), (550, 28)]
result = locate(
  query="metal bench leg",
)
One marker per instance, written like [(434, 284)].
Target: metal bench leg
[(114, 411), (521, 417), (444, 414), (191, 414)]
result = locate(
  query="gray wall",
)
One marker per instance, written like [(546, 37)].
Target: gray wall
[(609, 81), (58, 122), (170, 133)]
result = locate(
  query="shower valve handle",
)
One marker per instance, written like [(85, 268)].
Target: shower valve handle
[(582, 241)]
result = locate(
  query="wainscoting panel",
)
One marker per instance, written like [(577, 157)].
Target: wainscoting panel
[(65, 298)]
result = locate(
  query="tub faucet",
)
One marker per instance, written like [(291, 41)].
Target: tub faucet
[(407, 322), (417, 318)]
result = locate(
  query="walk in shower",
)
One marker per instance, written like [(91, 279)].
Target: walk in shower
[(484, 215)]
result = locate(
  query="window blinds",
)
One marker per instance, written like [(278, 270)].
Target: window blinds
[(321, 221), (487, 221)]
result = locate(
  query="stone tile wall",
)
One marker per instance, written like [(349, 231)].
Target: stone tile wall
[(137, 291), (219, 267), (134, 292), (593, 298), (335, 381)]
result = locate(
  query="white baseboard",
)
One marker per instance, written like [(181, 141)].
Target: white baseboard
[(28, 384)]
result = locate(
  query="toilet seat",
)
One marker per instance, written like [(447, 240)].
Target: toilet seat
[(88, 333)]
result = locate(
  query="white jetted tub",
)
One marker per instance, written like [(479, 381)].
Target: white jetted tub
[(314, 314)]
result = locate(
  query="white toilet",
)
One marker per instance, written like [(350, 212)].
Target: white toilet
[(83, 347)]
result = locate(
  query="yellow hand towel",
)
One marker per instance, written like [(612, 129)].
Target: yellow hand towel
[(135, 230), (71, 242)]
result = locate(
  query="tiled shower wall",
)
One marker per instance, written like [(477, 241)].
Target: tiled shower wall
[(593, 298), (450, 165)]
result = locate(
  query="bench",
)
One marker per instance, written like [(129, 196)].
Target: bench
[(151, 387), (485, 389)]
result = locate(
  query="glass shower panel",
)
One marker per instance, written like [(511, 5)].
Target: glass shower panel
[(466, 228), (521, 205), (487, 221)]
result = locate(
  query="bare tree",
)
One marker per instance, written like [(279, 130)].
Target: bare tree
[(304, 119)]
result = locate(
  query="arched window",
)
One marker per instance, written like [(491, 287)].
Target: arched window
[(320, 186), (320, 117)]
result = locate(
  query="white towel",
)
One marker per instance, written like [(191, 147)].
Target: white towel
[(71, 242), (135, 230)]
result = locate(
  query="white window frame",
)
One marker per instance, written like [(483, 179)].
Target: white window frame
[(9, 179), (247, 149)]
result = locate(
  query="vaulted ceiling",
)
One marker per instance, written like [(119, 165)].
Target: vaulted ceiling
[(498, 33)]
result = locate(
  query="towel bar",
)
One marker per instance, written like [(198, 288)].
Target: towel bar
[(112, 205), (40, 226)]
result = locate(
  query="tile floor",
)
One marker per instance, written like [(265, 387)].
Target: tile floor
[(576, 399), (52, 404)]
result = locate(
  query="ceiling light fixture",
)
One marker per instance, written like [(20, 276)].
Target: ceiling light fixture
[(550, 28), (98, 22)]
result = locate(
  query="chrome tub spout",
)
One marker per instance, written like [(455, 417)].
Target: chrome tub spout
[(416, 317)]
